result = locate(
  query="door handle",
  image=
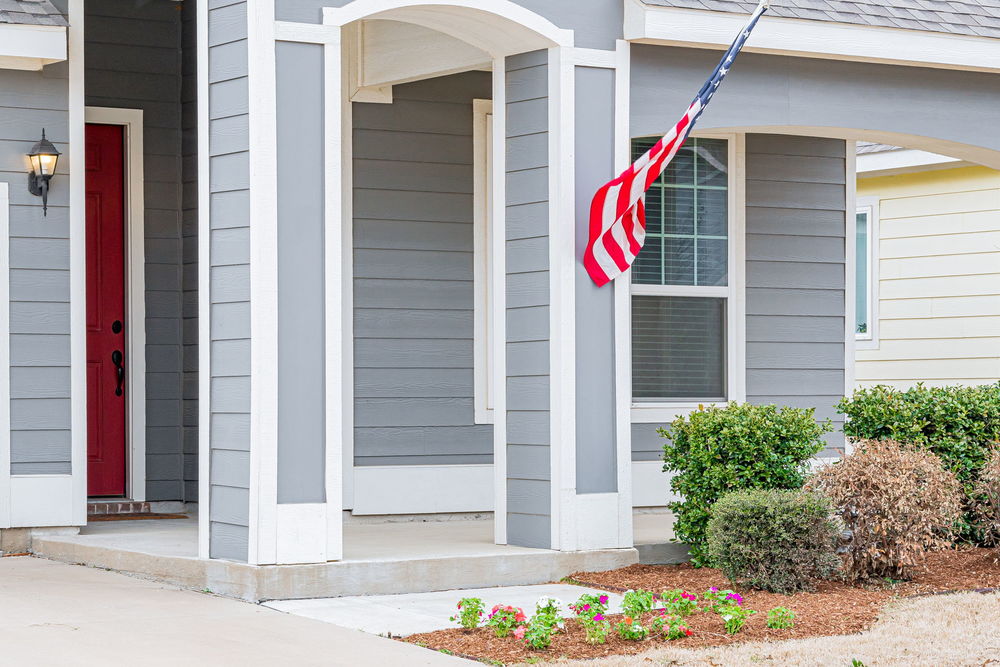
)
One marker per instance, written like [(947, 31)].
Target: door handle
[(116, 359)]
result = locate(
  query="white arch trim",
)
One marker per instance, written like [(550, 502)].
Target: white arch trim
[(499, 27), (987, 157)]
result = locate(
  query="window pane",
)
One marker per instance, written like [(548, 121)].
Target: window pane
[(687, 210), (678, 264), (678, 211), (712, 262), (713, 159), (862, 286), (678, 348), (647, 269), (713, 212)]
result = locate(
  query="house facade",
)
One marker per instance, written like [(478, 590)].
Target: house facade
[(929, 230), (336, 247)]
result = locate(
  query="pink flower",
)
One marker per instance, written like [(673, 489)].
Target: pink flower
[(520, 617), (604, 599), (586, 607), (519, 632), (598, 617)]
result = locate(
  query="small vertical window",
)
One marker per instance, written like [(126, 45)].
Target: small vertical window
[(863, 275), (482, 142), (680, 280)]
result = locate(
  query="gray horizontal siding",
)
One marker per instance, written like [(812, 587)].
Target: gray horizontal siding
[(39, 274), (133, 61), (796, 198), (413, 276), (529, 509), (189, 248), (795, 254), (229, 206)]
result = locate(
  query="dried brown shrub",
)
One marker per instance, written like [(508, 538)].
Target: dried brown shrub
[(988, 490), (896, 501)]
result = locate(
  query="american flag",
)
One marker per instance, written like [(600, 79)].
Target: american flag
[(617, 213)]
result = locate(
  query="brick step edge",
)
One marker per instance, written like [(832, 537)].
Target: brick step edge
[(102, 508)]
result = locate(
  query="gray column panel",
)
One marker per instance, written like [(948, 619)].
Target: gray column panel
[(301, 307), (596, 456), (529, 520)]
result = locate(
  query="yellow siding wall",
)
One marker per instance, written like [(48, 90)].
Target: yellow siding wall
[(939, 278)]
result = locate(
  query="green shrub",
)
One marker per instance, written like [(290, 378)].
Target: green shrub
[(778, 541), (959, 424), (718, 450)]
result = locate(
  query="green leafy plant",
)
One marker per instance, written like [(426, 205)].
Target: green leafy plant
[(504, 619), (596, 628), (778, 541), (717, 598), (589, 605), (631, 629), (679, 602), (896, 501), (538, 633), (958, 424), (470, 613), (715, 451), (780, 618), (670, 626), (735, 616), (636, 603)]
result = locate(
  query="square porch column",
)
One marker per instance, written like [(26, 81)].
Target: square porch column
[(271, 299), (567, 458)]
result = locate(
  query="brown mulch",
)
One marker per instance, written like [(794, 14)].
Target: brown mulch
[(835, 608), (137, 516)]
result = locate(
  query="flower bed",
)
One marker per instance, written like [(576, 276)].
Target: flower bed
[(835, 608)]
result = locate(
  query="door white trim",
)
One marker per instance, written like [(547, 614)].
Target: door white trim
[(135, 294), (5, 490), (77, 266)]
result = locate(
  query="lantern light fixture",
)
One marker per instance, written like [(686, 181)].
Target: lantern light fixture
[(43, 157)]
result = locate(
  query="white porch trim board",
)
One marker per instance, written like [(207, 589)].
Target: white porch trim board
[(671, 26), (78, 269), (204, 289), (447, 489), (31, 47), (135, 292), (6, 493), (498, 316)]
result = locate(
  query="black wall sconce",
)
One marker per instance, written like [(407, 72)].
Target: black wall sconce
[(43, 157)]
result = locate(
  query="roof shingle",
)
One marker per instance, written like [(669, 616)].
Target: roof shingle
[(971, 17), (31, 12)]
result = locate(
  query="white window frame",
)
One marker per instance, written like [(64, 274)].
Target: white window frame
[(869, 339), (645, 412), (483, 334)]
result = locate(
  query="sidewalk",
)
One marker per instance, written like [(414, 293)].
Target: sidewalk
[(57, 614)]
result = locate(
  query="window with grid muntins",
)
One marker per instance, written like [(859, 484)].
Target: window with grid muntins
[(679, 340)]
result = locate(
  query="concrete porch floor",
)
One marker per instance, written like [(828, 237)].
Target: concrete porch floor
[(380, 558)]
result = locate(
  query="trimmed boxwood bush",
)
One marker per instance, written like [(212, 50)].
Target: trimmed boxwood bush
[(715, 451), (778, 541), (959, 424)]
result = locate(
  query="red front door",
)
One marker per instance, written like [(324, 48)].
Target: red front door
[(106, 362)]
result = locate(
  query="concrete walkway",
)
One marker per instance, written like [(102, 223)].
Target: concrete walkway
[(57, 614), (402, 615)]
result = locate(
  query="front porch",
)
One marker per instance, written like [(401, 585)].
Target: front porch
[(381, 557)]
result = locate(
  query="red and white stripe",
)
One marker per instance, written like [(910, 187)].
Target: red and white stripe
[(618, 214)]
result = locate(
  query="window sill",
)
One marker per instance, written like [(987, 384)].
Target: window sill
[(656, 413)]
